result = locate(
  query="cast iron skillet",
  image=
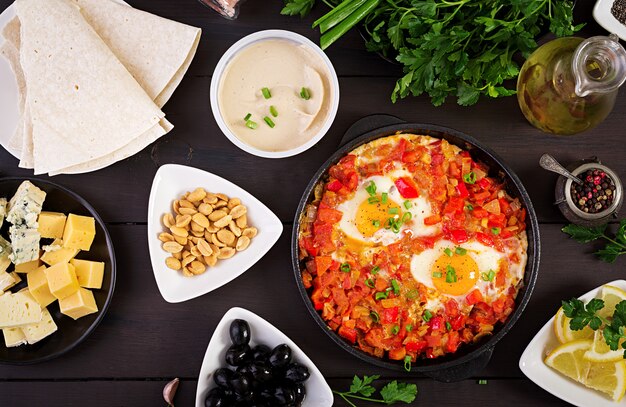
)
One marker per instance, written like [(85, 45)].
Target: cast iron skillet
[(70, 333), (469, 359)]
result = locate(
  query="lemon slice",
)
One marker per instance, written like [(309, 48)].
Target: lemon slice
[(558, 325), (609, 378), (611, 296), (568, 359), (564, 333), (601, 352)]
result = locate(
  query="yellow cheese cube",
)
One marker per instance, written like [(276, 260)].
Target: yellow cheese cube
[(79, 232), (61, 255), (89, 273), (28, 266), (79, 304), (62, 280), (38, 287), (51, 224)]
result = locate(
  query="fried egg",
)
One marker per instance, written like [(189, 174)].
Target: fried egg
[(455, 270), (377, 213)]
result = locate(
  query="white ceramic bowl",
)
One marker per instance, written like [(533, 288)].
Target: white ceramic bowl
[(532, 365), (260, 36), (170, 182), (602, 15), (318, 393)]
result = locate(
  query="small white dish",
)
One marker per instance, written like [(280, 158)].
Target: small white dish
[(170, 182), (318, 393), (243, 43), (532, 365), (602, 15)]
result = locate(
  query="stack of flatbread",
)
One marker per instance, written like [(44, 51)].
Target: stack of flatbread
[(93, 76)]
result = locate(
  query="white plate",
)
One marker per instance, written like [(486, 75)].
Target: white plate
[(602, 14), (318, 393), (170, 182), (531, 364), (8, 92)]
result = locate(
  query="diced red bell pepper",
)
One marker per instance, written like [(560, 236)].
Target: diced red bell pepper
[(485, 239), (322, 263), (309, 246), (436, 323), (484, 183), (410, 156), (461, 189), (480, 213), (334, 186), (452, 308), (481, 196), (432, 220), (407, 188), (347, 333), (397, 353), (417, 346), (474, 297), (459, 236), (457, 322), (389, 315), (433, 340), (329, 215), (453, 342), (318, 299), (454, 205)]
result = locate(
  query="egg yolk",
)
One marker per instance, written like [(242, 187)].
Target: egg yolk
[(454, 275), (372, 216)]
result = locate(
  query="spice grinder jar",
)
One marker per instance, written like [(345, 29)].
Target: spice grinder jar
[(570, 205)]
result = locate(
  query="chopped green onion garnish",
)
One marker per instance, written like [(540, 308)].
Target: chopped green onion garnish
[(413, 294), (409, 328), (388, 289), (407, 363), (375, 270), (395, 330), (469, 178), (374, 315), (376, 223), (345, 267), (437, 274), (269, 122), (393, 211), (373, 199), (406, 217), (371, 188), (248, 116), (482, 381), (395, 227), (266, 93), (369, 282), (450, 274), (251, 125), (460, 251), (273, 111), (448, 252), (407, 204), (469, 207), (427, 315), (305, 94), (385, 196), (380, 296), (448, 326), (495, 231), (396, 287), (488, 276)]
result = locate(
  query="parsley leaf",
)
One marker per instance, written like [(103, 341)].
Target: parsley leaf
[(297, 7), (584, 234), (612, 250), (393, 392), (582, 315), (363, 386)]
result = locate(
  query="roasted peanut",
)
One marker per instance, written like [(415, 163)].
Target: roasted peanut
[(242, 243), (173, 263)]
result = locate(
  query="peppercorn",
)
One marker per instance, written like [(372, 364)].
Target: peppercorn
[(596, 194), (619, 10)]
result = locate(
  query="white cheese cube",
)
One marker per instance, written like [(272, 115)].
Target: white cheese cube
[(13, 337), (25, 244), (25, 206), (36, 332), (19, 309)]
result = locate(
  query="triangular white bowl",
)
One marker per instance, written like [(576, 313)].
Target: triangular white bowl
[(318, 393), (170, 182), (531, 364)]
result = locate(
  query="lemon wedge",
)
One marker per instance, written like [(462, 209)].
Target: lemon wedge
[(569, 360), (611, 296), (601, 352), (557, 325), (609, 378)]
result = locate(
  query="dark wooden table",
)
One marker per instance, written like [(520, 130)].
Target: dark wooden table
[(144, 342)]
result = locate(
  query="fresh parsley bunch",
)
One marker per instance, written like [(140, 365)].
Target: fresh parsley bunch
[(615, 246), (393, 392)]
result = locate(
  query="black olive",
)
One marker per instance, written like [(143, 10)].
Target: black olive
[(297, 373), (260, 372), (280, 356), (238, 355), (240, 384), (215, 398), (222, 376), (283, 396), (300, 392), (261, 352), (239, 332)]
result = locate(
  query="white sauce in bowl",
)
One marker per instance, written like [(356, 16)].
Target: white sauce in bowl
[(283, 67)]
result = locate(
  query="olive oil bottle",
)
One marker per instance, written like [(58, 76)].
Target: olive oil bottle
[(569, 85)]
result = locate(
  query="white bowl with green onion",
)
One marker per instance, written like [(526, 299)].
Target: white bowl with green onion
[(274, 94)]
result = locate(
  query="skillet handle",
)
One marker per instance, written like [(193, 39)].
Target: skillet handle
[(464, 371), (367, 124)]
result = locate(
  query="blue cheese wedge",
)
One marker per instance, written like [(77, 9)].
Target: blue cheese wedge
[(40, 330), (26, 205), (5, 251), (3, 210), (24, 243), (13, 337), (19, 309)]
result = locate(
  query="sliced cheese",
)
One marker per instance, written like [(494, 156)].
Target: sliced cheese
[(18, 309), (7, 280), (38, 331), (3, 210), (13, 337)]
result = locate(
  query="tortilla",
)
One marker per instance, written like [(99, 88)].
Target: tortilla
[(83, 102)]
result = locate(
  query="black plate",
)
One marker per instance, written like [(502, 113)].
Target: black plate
[(469, 359), (70, 332)]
